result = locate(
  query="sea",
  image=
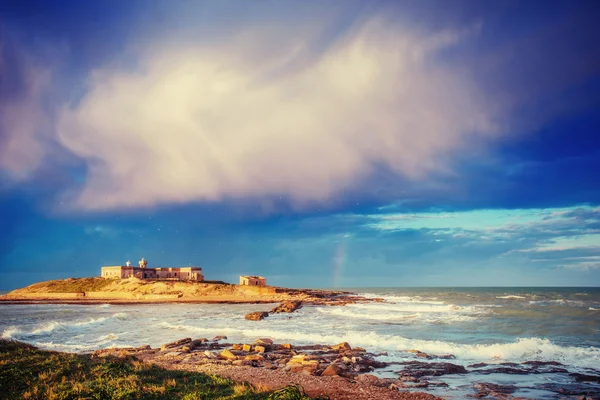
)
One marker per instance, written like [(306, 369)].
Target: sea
[(476, 325)]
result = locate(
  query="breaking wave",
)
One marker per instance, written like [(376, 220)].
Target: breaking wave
[(523, 349), (14, 332)]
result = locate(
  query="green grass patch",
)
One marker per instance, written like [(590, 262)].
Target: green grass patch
[(29, 373)]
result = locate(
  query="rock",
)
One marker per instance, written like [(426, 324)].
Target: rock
[(478, 365), (173, 354), (542, 363), (586, 390), (259, 349), (239, 363), (418, 369), (293, 367), (144, 347), (185, 349), (210, 354), (254, 357), (247, 347), (309, 370), (341, 346), (332, 370), (237, 346), (287, 306), (359, 349), (217, 338), (197, 343), (493, 390), (177, 343), (263, 342), (298, 359), (368, 378), (287, 346), (503, 370), (256, 316), (228, 355), (585, 378)]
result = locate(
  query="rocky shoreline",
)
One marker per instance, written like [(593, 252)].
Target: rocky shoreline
[(338, 371), (341, 371)]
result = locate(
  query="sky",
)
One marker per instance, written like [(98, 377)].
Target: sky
[(319, 144)]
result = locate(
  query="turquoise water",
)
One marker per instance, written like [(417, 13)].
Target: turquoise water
[(491, 325)]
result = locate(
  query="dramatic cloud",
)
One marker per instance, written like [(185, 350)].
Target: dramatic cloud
[(238, 120), (24, 123)]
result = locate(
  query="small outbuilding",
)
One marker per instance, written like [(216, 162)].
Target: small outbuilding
[(249, 280)]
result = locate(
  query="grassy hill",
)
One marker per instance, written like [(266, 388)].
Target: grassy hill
[(134, 288)]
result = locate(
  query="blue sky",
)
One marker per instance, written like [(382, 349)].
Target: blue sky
[(319, 144)]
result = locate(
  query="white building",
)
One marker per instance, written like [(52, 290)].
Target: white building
[(250, 280), (141, 272)]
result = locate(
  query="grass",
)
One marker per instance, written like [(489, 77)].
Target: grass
[(72, 285), (29, 373)]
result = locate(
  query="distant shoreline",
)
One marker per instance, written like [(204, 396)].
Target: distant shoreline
[(90, 291)]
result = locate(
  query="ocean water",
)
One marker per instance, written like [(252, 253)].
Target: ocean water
[(490, 325)]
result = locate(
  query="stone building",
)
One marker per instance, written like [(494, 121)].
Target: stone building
[(142, 272), (253, 280)]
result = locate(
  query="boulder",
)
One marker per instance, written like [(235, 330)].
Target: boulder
[(228, 355), (174, 344), (286, 346), (332, 370), (254, 357), (210, 354), (237, 346), (341, 346), (267, 344), (287, 306), (239, 363), (256, 316), (247, 347), (259, 349), (197, 343), (368, 379), (418, 369), (217, 338), (585, 378)]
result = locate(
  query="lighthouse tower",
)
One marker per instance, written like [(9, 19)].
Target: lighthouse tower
[(143, 263)]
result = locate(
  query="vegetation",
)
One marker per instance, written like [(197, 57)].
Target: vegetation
[(71, 285), (29, 373)]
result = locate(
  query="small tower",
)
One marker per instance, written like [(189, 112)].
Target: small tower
[(143, 263), (128, 263)]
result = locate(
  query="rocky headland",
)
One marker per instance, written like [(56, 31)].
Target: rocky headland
[(133, 290)]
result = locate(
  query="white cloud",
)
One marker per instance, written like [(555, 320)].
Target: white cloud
[(205, 123), (23, 121)]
